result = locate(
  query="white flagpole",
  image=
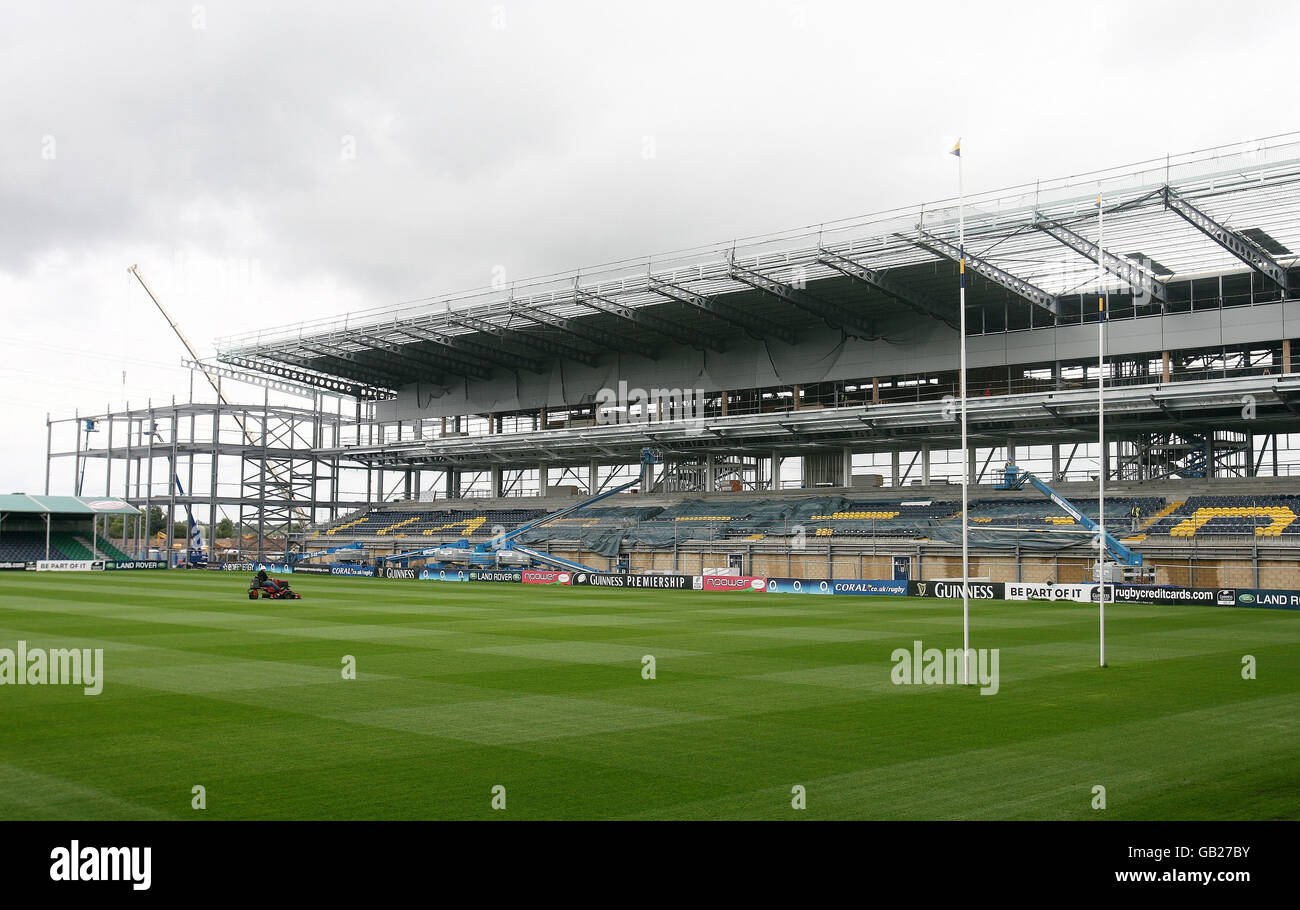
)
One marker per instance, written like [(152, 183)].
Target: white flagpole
[(965, 457), (1101, 433)]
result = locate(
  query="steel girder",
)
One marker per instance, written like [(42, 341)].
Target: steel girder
[(450, 362), (344, 367), (297, 375), (354, 359), (834, 316), (407, 368), (1132, 274), (525, 339), (699, 340), (599, 337), (465, 348), (882, 282), (281, 383), (1238, 245), (755, 325), (985, 269)]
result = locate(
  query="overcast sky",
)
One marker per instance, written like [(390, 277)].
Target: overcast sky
[(271, 162)]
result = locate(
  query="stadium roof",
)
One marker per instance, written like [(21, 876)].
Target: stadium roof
[(15, 503), (1030, 250)]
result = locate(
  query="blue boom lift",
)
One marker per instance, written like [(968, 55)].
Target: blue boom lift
[(1015, 479), (196, 555), (316, 554)]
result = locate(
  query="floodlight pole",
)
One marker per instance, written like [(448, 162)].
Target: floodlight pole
[(965, 459), (1101, 437)]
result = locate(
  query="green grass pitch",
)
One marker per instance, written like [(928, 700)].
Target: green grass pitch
[(463, 687)]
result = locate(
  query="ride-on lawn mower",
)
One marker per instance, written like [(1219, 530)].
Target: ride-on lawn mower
[(273, 589)]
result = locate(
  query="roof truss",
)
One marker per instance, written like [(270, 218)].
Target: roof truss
[(445, 362), (589, 334), (755, 325), (882, 282), (1134, 275), (526, 339), (647, 321), (985, 269), (835, 316), (1245, 249), (313, 379), (463, 347)]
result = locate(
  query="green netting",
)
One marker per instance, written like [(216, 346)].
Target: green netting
[(598, 529), (950, 532), (605, 530), (806, 510), (719, 519)]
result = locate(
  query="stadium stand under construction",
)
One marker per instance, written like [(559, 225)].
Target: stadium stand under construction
[(798, 389)]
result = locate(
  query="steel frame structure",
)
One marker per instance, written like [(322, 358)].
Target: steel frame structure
[(1046, 417), (206, 446)]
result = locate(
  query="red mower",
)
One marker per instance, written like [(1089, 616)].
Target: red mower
[(271, 589)]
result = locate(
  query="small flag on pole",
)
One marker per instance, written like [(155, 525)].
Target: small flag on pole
[(956, 149)]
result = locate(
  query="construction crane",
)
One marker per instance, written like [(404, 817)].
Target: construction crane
[(277, 478)]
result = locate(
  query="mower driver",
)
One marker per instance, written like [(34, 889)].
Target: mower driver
[(267, 583)]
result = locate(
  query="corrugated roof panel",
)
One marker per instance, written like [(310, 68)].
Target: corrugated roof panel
[(24, 503)]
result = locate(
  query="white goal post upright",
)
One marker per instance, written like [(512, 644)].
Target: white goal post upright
[(1103, 460), (965, 458)]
